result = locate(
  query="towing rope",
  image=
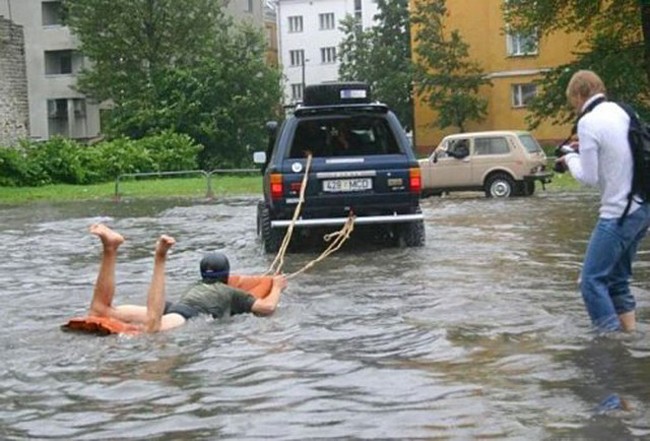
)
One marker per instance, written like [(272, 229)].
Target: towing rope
[(339, 236)]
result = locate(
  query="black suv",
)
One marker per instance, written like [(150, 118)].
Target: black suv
[(362, 163)]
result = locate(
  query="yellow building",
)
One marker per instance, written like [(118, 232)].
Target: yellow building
[(512, 62)]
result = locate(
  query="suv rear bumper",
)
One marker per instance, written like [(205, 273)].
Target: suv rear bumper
[(360, 220)]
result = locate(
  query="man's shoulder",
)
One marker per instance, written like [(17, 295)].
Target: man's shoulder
[(604, 116)]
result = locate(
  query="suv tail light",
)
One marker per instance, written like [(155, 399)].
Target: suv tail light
[(276, 186), (415, 180)]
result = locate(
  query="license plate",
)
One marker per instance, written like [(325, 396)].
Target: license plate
[(347, 185)]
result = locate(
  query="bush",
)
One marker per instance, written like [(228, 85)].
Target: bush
[(16, 168), (65, 161)]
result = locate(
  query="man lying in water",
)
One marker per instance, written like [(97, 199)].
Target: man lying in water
[(211, 296)]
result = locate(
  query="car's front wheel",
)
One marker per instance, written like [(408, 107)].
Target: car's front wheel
[(499, 185)]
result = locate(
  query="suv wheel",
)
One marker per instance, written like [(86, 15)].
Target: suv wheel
[(499, 185), (412, 234), (271, 237)]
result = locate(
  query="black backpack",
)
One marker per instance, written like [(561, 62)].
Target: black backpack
[(639, 138)]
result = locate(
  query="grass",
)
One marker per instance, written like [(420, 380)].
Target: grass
[(132, 188), (196, 187)]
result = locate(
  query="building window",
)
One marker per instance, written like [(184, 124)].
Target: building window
[(326, 21), (249, 6), (79, 107), (295, 23), (64, 62), (522, 44), (358, 11), (52, 13), (328, 55), (57, 109), (522, 94), (296, 57), (296, 92)]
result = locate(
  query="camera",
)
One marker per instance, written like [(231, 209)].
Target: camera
[(560, 151)]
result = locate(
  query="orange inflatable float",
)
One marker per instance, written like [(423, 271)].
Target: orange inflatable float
[(258, 286)]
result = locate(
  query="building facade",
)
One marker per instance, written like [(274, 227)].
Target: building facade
[(14, 106), (512, 62), (52, 63), (309, 36)]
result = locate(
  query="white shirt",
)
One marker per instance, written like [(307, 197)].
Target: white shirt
[(605, 159)]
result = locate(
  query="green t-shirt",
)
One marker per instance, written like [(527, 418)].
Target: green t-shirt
[(217, 299)]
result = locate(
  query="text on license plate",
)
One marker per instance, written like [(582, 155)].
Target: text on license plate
[(345, 185)]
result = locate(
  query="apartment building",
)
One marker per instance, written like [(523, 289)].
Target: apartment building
[(309, 36), (52, 63), (512, 62)]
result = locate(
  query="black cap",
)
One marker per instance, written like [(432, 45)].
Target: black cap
[(215, 266)]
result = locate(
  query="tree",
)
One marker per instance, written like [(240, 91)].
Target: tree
[(189, 69), (615, 35), (381, 56), (444, 76)]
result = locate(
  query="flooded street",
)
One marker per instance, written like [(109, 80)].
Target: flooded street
[(481, 334)]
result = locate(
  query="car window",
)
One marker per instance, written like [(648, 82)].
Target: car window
[(530, 144), (491, 146), (348, 136), (458, 148)]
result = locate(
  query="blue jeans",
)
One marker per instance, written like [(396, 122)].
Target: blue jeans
[(607, 268)]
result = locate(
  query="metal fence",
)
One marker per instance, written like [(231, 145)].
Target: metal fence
[(208, 177)]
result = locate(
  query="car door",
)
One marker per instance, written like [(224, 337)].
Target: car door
[(490, 152), (449, 166)]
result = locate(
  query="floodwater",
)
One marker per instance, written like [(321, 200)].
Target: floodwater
[(481, 334)]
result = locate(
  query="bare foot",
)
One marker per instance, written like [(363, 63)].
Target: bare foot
[(164, 244), (110, 238)]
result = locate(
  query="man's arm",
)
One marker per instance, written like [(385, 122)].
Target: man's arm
[(584, 167), (267, 305)]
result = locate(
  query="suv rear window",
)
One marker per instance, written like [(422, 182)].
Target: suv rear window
[(343, 136), (530, 144)]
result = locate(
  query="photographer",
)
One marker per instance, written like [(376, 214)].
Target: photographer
[(605, 160)]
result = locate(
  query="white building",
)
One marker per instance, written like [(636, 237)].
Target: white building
[(309, 36), (52, 64)]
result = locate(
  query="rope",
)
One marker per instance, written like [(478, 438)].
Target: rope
[(276, 265), (339, 236)]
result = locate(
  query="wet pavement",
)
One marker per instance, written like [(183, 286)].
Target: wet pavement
[(481, 334)]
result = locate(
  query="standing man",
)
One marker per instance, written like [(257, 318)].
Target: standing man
[(605, 161)]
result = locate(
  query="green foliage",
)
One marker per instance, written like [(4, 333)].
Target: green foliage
[(381, 56), (615, 38), (17, 169), (188, 69), (63, 161), (445, 78)]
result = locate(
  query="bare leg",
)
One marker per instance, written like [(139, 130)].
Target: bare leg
[(105, 283), (628, 321), (156, 295)]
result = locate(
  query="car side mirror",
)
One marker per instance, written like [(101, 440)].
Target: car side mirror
[(434, 157), (259, 157)]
